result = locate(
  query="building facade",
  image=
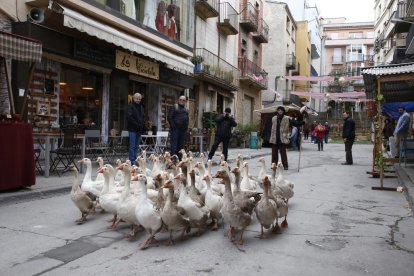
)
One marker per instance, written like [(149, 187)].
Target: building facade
[(279, 54), (393, 31), (348, 47)]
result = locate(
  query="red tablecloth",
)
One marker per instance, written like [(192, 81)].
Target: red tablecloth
[(17, 165)]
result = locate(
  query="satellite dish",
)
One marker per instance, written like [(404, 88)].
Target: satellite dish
[(36, 15)]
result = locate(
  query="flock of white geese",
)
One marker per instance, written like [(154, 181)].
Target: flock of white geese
[(177, 196)]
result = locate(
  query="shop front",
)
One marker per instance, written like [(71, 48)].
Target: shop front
[(159, 86)]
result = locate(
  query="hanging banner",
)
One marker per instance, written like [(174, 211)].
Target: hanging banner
[(136, 65)]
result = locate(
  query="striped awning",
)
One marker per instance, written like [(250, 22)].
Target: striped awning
[(19, 47)]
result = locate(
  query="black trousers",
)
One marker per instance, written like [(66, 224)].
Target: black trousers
[(276, 148), (217, 140), (348, 150)]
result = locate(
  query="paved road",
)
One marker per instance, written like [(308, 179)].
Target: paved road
[(337, 226)]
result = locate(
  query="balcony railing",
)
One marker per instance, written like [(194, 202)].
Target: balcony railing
[(354, 57), (249, 16), (262, 34), (252, 73), (229, 19), (290, 61), (404, 12), (218, 70), (206, 8)]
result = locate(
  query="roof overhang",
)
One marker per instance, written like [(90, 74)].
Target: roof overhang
[(395, 82)]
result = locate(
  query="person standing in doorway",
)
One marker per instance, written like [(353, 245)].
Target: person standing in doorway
[(348, 134), (225, 122), (402, 128), (135, 125), (279, 136), (178, 120)]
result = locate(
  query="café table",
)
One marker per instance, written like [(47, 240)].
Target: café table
[(17, 160), (148, 143), (48, 141)]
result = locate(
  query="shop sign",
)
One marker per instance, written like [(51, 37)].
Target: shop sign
[(137, 65)]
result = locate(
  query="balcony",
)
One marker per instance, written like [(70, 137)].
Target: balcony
[(403, 12), (249, 15), (252, 74), (355, 57), (216, 70), (206, 8), (409, 42), (290, 61), (369, 60), (262, 34), (229, 20)]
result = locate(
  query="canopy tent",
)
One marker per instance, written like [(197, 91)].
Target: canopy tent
[(391, 83), (321, 78), (331, 96), (391, 109), (18, 48)]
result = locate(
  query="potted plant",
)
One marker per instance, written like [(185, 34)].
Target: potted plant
[(197, 60)]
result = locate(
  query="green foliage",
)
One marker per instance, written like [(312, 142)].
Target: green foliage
[(208, 119), (197, 59), (246, 128)]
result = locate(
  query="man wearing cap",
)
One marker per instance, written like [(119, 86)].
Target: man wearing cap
[(280, 137), (224, 124)]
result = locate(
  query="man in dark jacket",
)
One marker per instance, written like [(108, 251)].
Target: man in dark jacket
[(178, 120), (348, 134), (135, 125), (223, 134)]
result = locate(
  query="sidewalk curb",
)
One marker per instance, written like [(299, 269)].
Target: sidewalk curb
[(408, 184), (34, 195)]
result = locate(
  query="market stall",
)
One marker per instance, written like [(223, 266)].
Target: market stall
[(386, 84), (16, 141)]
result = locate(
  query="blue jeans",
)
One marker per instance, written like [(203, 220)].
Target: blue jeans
[(294, 143), (134, 140), (177, 140), (326, 138)]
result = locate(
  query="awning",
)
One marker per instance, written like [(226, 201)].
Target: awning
[(396, 82), (20, 48), (73, 19)]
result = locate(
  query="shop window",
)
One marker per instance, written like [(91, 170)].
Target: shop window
[(80, 98), (171, 18)]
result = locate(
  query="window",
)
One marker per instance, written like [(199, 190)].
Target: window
[(355, 35), (287, 24), (173, 20)]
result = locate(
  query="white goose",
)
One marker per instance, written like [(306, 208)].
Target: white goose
[(88, 185), (146, 214), (80, 198), (110, 199), (127, 203), (213, 202), (196, 212), (99, 176), (247, 183), (281, 187)]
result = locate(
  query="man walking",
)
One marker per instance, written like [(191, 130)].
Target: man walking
[(135, 125), (224, 124), (178, 120), (402, 128), (279, 136), (348, 134)]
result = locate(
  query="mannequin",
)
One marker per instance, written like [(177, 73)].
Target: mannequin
[(149, 13)]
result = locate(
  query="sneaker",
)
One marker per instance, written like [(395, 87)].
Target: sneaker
[(286, 168), (346, 163)]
